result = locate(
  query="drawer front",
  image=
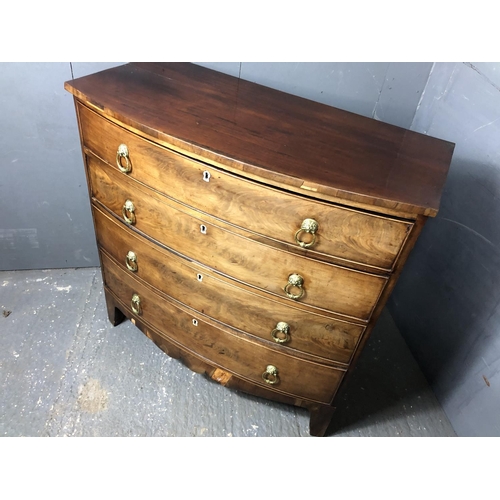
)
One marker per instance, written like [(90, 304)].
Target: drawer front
[(344, 233), (235, 306), (325, 286), (230, 352)]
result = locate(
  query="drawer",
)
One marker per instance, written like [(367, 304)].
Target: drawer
[(238, 307), (229, 351), (347, 234), (334, 288)]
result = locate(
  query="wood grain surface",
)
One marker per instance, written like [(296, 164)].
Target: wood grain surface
[(334, 288), (224, 347), (320, 413), (217, 297), (274, 136), (347, 234)]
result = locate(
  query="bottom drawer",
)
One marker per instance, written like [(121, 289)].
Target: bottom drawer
[(233, 352)]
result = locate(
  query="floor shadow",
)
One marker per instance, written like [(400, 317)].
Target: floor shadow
[(386, 391)]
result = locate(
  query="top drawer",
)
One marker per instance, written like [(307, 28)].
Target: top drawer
[(346, 234)]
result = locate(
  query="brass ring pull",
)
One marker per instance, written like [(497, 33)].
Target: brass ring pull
[(281, 333), (122, 152), (270, 376), (131, 261), (135, 304), (294, 280), (128, 208), (308, 226)]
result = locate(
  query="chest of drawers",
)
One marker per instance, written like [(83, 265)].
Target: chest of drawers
[(253, 234)]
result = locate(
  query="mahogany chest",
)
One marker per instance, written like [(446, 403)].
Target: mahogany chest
[(253, 234)]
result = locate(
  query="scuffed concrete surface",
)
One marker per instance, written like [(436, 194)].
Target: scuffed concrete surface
[(66, 371), (92, 397)]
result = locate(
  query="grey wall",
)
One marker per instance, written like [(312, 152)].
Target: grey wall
[(45, 214), (446, 303)]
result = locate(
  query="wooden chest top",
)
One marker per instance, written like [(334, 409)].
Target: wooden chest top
[(278, 138)]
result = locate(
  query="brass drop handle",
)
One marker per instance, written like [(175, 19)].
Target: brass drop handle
[(294, 280), (281, 333), (122, 152), (135, 304), (131, 261), (128, 208), (270, 376), (308, 226)]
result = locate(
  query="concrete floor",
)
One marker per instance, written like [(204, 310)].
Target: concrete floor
[(65, 371)]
